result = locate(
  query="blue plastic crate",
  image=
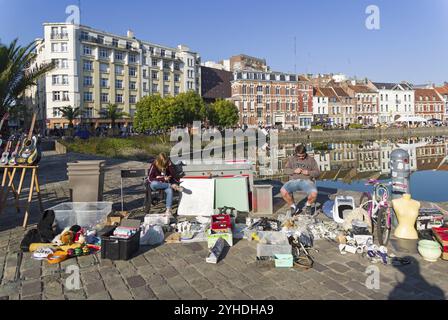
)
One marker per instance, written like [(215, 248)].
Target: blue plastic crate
[(283, 261)]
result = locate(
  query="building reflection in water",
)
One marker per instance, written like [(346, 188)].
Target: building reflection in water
[(354, 161)]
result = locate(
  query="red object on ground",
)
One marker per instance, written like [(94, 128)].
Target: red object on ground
[(442, 234), (221, 221)]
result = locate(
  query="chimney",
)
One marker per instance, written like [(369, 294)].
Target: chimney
[(130, 34)]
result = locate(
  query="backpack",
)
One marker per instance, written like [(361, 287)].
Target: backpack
[(44, 232)]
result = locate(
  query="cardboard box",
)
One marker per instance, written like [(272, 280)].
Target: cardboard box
[(115, 218), (213, 236)]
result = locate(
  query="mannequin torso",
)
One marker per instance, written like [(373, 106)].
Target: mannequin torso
[(407, 211)]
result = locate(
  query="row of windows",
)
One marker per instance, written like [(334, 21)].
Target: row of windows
[(104, 97), (267, 90), (105, 54), (60, 96), (425, 108), (386, 96), (133, 58), (59, 47), (115, 42), (104, 82), (59, 79), (59, 32), (407, 108), (277, 106), (60, 63), (119, 69), (259, 100)]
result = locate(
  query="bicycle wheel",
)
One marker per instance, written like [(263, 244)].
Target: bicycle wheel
[(302, 260), (382, 228), (381, 192), (366, 203)]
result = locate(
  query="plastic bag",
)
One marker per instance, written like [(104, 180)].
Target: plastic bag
[(151, 235)]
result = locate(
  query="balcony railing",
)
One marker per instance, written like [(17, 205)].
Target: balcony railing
[(90, 39)]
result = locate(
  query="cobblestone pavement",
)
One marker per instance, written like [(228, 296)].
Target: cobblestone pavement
[(179, 271)]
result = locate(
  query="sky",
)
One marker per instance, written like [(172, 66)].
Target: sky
[(331, 35)]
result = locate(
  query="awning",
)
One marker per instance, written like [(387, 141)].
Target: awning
[(411, 119)]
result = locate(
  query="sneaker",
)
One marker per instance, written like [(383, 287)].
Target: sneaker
[(42, 253), (169, 214), (295, 210), (177, 188)]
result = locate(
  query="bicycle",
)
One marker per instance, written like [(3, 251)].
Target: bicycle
[(377, 206), (302, 257)]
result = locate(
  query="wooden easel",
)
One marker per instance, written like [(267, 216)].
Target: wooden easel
[(9, 173)]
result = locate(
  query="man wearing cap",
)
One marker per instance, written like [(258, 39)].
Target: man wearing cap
[(302, 170)]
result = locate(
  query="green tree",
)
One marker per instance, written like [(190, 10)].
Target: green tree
[(70, 114), (18, 72), (223, 113), (147, 109), (113, 113), (193, 107)]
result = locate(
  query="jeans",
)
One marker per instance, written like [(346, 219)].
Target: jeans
[(307, 186), (157, 185)]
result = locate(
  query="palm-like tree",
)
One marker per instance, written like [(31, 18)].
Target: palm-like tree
[(17, 72), (113, 113), (70, 114)]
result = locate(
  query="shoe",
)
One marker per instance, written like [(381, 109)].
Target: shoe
[(42, 253), (178, 188), (296, 211), (169, 214), (308, 210)]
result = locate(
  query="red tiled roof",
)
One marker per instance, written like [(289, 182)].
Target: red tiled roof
[(430, 93), (328, 92), (302, 78), (442, 90), (362, 89), (341, 92)]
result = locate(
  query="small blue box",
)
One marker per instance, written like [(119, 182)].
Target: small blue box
[(284, 261)]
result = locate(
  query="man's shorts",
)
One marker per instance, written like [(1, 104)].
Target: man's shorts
[(307, 186)]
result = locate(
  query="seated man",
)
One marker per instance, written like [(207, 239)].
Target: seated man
[(303, 170)]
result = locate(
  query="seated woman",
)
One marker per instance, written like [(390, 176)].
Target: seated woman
[(162, 176)]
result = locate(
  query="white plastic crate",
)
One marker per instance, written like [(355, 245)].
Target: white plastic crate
[(85, 214), (273, 237), (156, 219), (270, 250)]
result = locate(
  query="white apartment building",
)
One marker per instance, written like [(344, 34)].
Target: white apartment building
[(395, 100), (94, 68), (320, 106)]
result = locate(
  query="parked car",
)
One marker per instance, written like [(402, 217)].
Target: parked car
[(435, 122)]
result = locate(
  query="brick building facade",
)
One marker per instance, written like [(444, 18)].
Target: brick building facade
[(429, 104), (272, 99)]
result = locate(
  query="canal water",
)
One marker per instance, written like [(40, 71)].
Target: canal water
[(348, 165)]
